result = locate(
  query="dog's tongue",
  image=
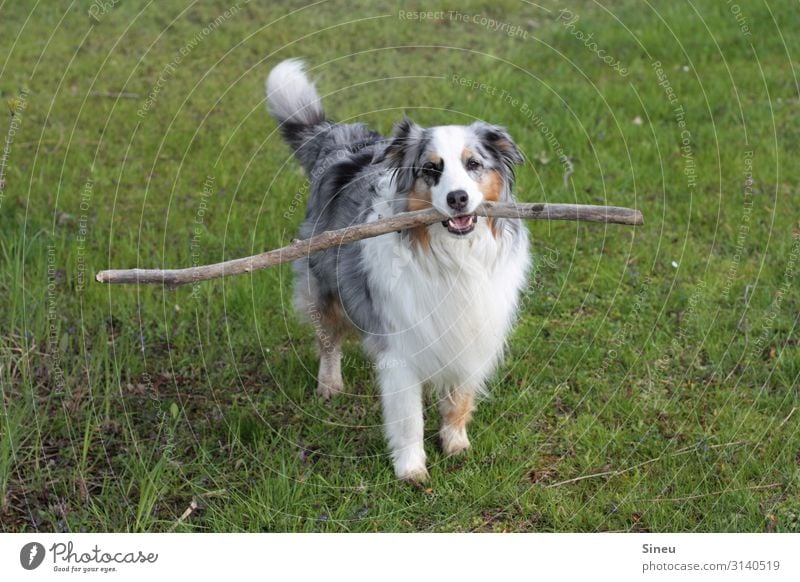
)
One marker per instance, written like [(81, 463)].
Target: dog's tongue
[(461, 222)]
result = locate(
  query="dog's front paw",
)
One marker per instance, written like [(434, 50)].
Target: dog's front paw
[(418, 475), (415, 476), (410, 466), (454, 440)]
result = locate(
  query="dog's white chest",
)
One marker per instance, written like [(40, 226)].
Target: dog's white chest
[(449, 308)]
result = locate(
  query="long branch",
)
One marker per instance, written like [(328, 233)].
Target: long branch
[(301, 248)]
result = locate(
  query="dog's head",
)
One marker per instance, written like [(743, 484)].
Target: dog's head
[(452, 168)]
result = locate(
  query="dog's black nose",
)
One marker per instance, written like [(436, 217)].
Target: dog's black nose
[(457, 200)]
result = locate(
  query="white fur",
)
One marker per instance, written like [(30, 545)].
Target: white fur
[(453, 440), (452, 307), (290, 95), (401, 397), (449, 141)]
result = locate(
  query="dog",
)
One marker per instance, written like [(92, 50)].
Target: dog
[(433, 305)]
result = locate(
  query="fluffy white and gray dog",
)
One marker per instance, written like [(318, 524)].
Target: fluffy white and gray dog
[(433, 304)]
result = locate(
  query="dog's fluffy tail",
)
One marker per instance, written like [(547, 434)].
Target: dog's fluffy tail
[(293, 101), (291, 96)]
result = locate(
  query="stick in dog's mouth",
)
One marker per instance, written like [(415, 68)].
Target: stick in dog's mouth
[(402, 221)]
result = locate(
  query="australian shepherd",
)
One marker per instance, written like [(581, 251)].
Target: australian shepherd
[(433, 304)]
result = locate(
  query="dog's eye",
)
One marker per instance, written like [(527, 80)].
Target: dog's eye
[(430, 169), (473, 164)]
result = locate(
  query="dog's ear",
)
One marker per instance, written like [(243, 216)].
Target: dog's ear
[(402, 152), (405, 132), (498, 141)]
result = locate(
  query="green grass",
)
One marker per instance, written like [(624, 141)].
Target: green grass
[(636, 396)]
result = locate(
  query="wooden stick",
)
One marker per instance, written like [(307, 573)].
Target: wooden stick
[(332, 238)]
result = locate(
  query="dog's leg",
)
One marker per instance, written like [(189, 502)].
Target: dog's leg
[(456, 407), (329, 378), (401, 396), (326, 317), (330, 331)]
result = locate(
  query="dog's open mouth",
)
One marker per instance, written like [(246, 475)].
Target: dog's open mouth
[(461, 224)]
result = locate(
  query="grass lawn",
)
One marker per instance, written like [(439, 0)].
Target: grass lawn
[(652, 380)]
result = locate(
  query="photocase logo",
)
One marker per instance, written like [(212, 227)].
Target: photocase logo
[(31, 555)]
